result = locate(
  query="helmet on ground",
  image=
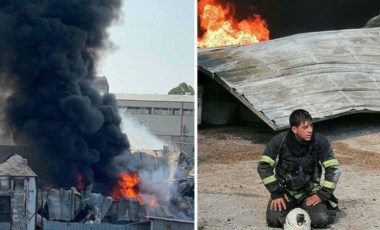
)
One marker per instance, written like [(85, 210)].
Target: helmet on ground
[(297, 219)]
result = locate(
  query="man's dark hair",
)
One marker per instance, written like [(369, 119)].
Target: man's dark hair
[(299, 116)]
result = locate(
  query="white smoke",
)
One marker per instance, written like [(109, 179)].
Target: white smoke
[(138, 134), (162, 185)]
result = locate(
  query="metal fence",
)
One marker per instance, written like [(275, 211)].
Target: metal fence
[(168, 224), (152, 224)]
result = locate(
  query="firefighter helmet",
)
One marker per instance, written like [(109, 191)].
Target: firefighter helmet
[(297, 219)]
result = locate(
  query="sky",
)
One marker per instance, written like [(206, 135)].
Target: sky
[(155, 52)]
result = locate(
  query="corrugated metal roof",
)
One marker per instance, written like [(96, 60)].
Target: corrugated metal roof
[(155, 97), (328, 73)]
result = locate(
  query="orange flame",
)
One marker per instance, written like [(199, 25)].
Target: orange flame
[(153, 203), (127, 187), (81, 184), (221, 29)]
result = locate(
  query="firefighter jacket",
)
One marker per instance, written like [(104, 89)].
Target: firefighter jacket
[(294, 167)]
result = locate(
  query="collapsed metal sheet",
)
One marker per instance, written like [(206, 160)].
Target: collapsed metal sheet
[(330, 73), (63, 203)]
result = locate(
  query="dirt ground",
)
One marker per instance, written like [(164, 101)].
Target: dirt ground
[(232, 196)]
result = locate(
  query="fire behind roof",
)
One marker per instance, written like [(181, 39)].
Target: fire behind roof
[(288, 17), (48, 53)]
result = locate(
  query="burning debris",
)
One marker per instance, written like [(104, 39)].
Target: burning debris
[(137, 197), (127, 187)]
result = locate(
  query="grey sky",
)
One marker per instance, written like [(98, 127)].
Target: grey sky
[(155, 40)]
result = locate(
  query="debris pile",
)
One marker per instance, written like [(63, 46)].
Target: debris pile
[(165, 190)]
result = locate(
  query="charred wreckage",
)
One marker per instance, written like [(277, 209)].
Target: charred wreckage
[(166, 194)]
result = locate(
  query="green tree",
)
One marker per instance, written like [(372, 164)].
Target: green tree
[(182, 89)]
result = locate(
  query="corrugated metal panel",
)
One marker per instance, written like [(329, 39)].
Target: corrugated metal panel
[(167, 224), (140, 226), (328, 73), (54, 225)]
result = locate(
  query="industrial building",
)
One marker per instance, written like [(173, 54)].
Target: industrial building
[(169, 117)]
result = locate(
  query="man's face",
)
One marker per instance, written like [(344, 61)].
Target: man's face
[(304, 131)]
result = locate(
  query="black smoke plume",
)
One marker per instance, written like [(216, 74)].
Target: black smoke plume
[(48, 53), (288, 17)]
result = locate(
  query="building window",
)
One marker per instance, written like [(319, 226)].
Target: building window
[(5, 184), (139, 110), (132, 110), (5, 209), (176, 112), (157, 111), (166, 111), (19, 184), (146, 110), (188, 112), (161, 111)]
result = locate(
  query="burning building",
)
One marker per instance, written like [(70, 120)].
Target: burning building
[(48, 102)]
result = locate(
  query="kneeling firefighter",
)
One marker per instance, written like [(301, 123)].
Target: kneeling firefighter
[(291, 169)]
